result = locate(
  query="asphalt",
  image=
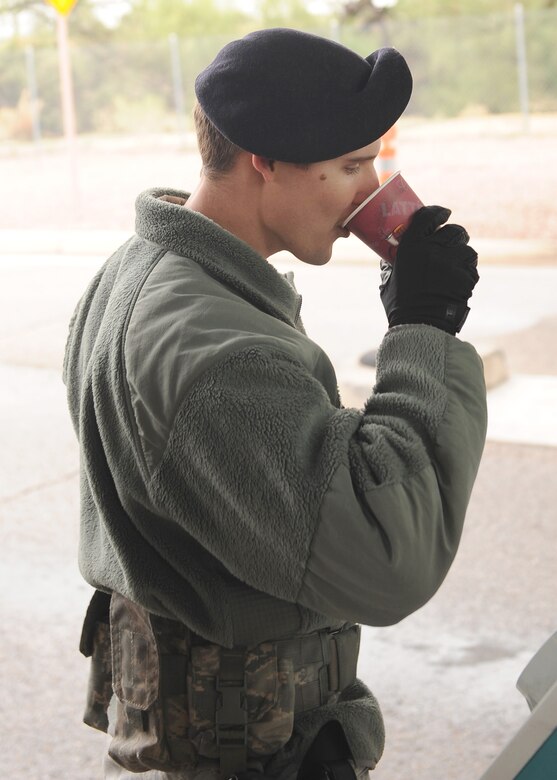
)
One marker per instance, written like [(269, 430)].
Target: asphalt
[(445, 676)]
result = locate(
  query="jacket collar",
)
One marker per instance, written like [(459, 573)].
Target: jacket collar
[(162, 219)]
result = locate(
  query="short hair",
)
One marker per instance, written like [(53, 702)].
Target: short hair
[(218, 154)]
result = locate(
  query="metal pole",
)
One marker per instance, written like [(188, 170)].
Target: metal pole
[(336, 32), (33, 93), (68, 108), (177, 84), (522, 64)]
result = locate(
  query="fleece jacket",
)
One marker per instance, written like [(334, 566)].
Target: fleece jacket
[(224, 485)]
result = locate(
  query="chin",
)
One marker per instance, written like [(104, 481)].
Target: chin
[(315, 257)]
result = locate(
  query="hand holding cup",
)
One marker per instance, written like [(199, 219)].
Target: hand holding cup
[(434, 274)]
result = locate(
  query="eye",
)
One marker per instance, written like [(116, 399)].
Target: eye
[(351, 170)]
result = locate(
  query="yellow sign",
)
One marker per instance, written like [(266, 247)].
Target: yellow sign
[(62, 6)]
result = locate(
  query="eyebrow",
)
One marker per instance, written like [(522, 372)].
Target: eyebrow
[(361, 159)]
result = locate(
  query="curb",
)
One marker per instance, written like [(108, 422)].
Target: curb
[(496, 370)]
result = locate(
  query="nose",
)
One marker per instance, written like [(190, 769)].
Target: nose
[(368, 183)]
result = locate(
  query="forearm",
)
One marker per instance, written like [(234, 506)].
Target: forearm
[(355, 514), (391, 521)]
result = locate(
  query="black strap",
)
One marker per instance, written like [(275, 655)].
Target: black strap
[(347, 645), (231, 715), (97, 612)]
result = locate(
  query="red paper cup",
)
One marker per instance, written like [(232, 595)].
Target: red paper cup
[(384, 216)]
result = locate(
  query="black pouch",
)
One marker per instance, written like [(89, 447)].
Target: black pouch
[(95, 644), (165, 688), (149, 663)]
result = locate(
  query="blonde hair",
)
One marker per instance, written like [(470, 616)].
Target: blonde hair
[(218, 154)]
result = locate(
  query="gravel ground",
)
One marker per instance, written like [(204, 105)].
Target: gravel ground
[(445, 676)]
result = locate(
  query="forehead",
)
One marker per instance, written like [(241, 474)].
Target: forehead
[(364, 153)]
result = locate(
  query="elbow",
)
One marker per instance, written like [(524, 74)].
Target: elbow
[(403, 592), (377, 595), (412, 588)]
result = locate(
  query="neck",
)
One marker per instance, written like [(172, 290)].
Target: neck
[(232, 201)]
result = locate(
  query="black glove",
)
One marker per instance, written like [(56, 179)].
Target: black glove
[(433, 275)]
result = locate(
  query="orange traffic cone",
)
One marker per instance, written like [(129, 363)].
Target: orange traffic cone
[(386, 161)]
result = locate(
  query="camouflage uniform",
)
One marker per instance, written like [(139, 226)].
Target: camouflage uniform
[(160, 690)]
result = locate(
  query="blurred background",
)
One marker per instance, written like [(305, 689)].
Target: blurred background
[(134, 61), (95, 106), (111, 82)]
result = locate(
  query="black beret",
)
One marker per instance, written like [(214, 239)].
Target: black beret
[(300, 98)]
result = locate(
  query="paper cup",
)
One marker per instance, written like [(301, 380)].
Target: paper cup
[(384, 216)]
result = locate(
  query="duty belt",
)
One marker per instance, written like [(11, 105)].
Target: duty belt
[(324, 664), (185, 696)]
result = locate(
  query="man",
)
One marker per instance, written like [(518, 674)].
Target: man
[(238, 519)]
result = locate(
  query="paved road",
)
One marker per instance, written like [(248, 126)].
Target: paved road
[(445, 676)]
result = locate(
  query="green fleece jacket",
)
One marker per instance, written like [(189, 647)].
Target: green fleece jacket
[(222, 482)]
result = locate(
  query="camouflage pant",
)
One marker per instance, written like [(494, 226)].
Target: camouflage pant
[(206, 769)]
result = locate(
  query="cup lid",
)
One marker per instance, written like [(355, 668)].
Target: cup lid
[(369, 197)]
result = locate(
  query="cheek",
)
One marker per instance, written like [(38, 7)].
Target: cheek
[(291, 213), (338, 195)]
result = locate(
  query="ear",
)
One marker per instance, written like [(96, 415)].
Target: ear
[(264, 166)]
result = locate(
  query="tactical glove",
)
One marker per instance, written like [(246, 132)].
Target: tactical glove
[(433, 275)]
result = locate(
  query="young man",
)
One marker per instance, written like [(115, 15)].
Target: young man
[(238, 520)]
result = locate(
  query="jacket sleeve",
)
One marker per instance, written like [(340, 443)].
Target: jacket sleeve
[(354, 514), (407, 482)]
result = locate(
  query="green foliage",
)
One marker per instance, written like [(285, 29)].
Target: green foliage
[(160, 18), (123, 77), (12, 68), (284, 13), (468, 62), (84, 22), (424, 8)]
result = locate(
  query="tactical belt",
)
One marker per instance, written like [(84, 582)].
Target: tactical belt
[(176, 686), (324, 664)]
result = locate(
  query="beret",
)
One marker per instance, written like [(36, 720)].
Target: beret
[(297, 97)]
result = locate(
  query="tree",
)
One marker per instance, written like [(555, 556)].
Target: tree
[(368, 12), (277, 13), (160, 18), (85, 24)]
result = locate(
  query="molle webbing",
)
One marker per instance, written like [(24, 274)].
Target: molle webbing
[(228, 683), (180, 696), (324, 664), (231, 717)]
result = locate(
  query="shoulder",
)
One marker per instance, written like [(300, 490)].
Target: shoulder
[(186, 323)]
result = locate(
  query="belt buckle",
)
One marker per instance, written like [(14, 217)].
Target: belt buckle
[(231, 718)]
